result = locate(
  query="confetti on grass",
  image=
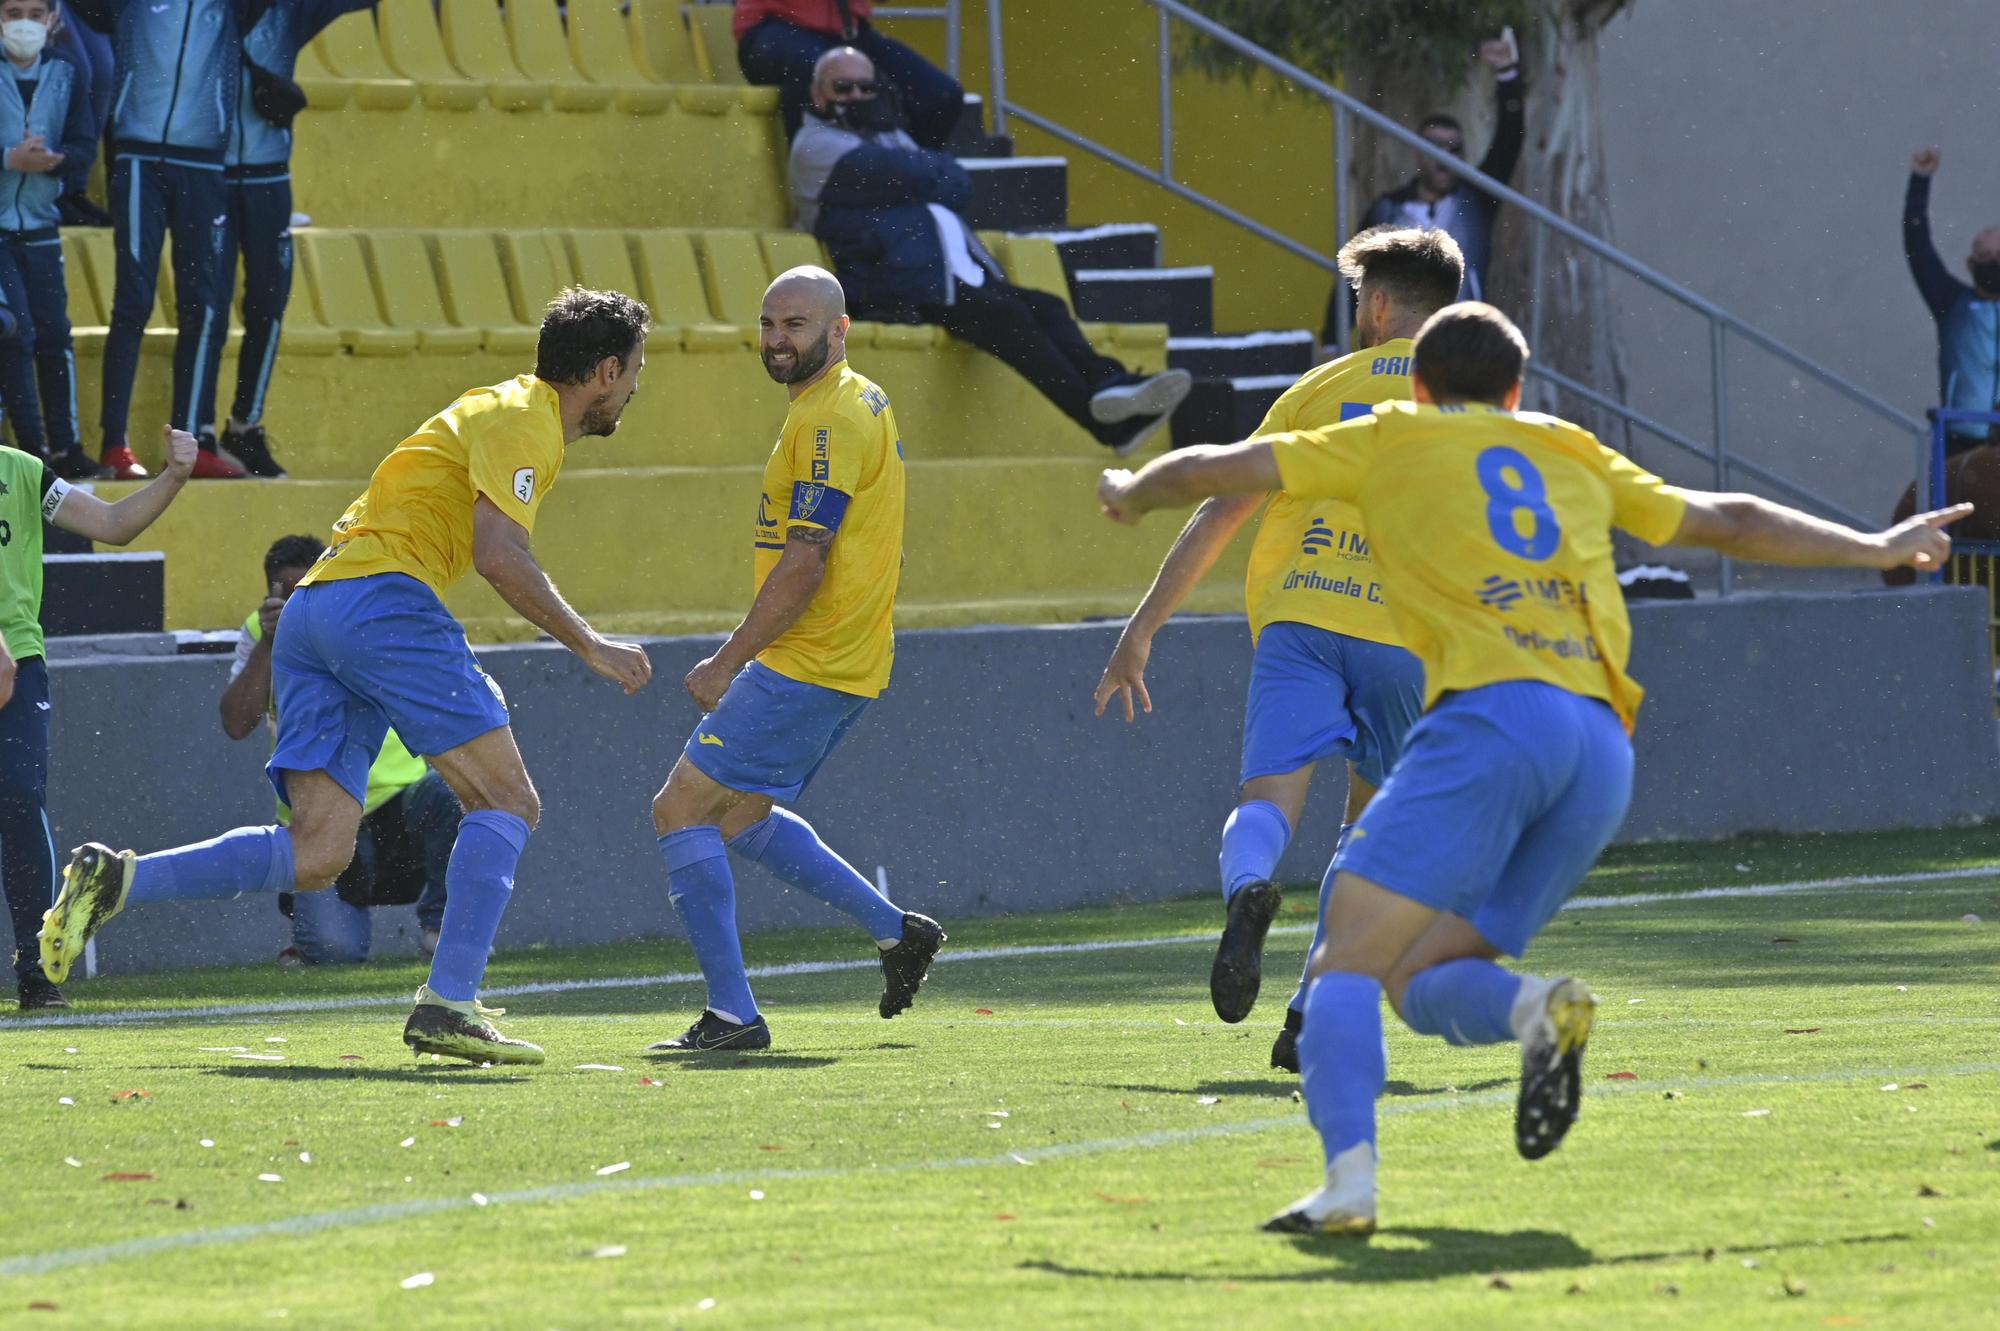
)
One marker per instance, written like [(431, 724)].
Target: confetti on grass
[(618, 1168), (419, 1280), (598, 1067)]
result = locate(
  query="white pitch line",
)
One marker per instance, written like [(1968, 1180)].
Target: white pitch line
[(317, 1222), (286, 1007)]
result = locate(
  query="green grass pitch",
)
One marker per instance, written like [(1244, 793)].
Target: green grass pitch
[(1793, 1120)]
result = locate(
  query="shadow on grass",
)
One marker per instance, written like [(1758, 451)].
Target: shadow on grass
[(458, 1073), (728, 1060), (1445, 1251), (1284, 1086)]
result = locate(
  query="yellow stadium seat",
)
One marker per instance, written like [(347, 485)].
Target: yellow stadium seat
[(410, 41), (86, 320), (713, 42), (337, 272), (410, 293), (659, 38), (475, 291), (602, 261), (790, 249), (537, 268), (478, 47), (350, 49), (670, 283), (733, 272), (897, 337), (1035, 263), (324, 90), (602, 50), (535, 32)]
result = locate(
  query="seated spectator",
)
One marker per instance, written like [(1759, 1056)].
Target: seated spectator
[(777, 42), (1967, 315), (1437, 197), (886, 210), (48, 130), (408, 821)]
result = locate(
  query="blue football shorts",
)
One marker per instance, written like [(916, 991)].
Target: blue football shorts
[(770, 732), (1503, 800), (1316, 694), (354, 657)]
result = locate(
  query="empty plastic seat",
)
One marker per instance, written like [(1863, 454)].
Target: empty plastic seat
[(475, 291), (324, 90), (86, 320), (410, 293), (337, 272), (670, 283), (478, 47), (602, 49), (733, 271), (535, 32), (1035, 262), (789, 249), (537, 268), (350, 49), (660, 41), (414, 49), (712, 42), (602, 261)]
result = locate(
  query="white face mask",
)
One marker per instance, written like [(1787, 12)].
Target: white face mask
[(23, 38)]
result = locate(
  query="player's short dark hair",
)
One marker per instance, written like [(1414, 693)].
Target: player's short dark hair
[(1470, 352), (581, 327), (292, 552), (1439, 120), (1420, 267)]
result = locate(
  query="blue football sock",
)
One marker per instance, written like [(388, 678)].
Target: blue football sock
[(250, 859), (1342, 1060), (477, 883), (1468, 1001), (1252, 840), (786, 844), (704, 897), (1298, 1003)]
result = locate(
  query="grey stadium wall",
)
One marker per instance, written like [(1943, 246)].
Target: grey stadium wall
[(982, 784)]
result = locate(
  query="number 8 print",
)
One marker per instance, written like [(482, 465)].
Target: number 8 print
[(1513, 486)]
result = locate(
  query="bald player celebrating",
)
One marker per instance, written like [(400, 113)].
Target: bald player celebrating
[(798, 672)]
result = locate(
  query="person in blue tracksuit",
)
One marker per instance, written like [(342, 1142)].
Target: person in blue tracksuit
[(259, 180), (1967, 314), (179, 66), (48, 129)]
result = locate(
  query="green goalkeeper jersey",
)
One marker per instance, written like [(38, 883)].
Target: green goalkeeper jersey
[(29, 493)]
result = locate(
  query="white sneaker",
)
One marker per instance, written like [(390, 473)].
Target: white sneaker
[(1344, 1206), (1552, 1019), (1156, 395)]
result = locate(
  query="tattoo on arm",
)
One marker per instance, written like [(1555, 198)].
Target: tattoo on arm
[(819, 538)]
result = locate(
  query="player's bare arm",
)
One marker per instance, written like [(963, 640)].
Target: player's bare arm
[(1748, 527), (502, 554), (1186, 475), (1194, 553), (122, 522), (793, 583)]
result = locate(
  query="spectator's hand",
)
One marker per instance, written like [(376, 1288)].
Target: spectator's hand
[(707, 682), (267, 614), (1125, 675), (623, 663), (181, 450), (1925, 161), (1500, 52), (32, 155)]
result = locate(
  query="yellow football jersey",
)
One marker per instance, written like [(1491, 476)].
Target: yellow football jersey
[(838, 466), (1310, 562), (503, 442), (1492, 531)]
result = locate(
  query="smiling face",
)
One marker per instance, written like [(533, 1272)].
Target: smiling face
[(803, 325)]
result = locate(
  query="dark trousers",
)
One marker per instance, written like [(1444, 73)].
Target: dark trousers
[(782, 54), (1033, 332), (149, 198), (27, 850), (38, 364), (260, 231)]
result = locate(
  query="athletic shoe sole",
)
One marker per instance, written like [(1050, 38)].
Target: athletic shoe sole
[(1155, 396), (94, 887), (1238, 972), (1552, 1070)]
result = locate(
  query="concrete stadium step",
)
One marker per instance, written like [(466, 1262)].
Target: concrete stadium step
[(968, 137), (1114, 245), (1238, 355), (1222, 411), (1018, 193), (1181, 298), (990, 539)]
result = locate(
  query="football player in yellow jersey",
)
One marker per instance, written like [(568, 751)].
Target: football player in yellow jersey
[(1492, 528), (814, 650), (1329, 677), (365, 644)]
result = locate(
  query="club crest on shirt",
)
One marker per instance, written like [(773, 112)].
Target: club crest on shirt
[(806, 500), (524, 485)]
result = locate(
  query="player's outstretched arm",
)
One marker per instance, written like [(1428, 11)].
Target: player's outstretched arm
[(122, 522), (793, 583), (502, 555), (1188, 474), (1747, 527), (1194, 553)]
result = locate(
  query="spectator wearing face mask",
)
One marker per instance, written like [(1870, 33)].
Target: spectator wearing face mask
[(1968, 317), (47, 125), (887, 211)]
